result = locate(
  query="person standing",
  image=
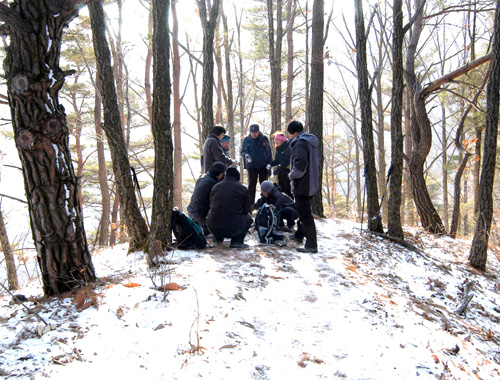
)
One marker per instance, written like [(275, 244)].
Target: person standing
[(256, 152), (229, 215), (224, 142), (304, 174), (282, 163), (212, 149), (200, 199)]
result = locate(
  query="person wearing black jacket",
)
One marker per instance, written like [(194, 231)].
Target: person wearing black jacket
[(271, 194), (212, 149), (282, 163), (256, 152), (200, 199), (229, 210)]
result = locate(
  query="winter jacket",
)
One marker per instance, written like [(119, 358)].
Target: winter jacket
[(258, 149), (229, 204), (276, 197), (304, 164), (282, 158), (200, 200), (212, 151)]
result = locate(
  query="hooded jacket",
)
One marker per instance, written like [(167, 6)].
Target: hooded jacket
[(276, 198), (258, 149), (212, 151), (304, 164)]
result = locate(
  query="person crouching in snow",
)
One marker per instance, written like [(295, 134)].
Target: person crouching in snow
[(229, 210), (271, 194)]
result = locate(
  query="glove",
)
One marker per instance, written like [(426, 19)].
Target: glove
[(268, 167), (248, 158)]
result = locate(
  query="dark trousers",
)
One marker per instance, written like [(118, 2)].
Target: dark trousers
[(236, 232), (252, 180), (306, 226), (284, 182), (289, 214), (202, 221)]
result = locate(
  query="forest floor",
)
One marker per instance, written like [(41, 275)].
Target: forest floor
[(362, 308)]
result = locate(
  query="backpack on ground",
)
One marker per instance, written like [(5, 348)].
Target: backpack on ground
[(267, 225), (188, 234)]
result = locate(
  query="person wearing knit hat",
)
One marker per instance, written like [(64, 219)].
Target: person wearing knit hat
[(212, 149), (282, 163), (272, 194), (304, 175), (224, 142), (229, 215), (256, 152), (200, 199)]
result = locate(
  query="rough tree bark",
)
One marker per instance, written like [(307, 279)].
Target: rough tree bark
[(207, 97), (290, 18), (229, 85), (176, 79), (275, 43), (135, 224), (479, 251), (8, 255), (34, 79), (374, 221), (164, 163), (394, 227), (315, 108)]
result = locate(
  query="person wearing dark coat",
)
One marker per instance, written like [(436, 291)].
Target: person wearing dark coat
[(200, 199), (304, 174), (256, 152), (212, 149), (229, 210), (282, 163), (272, 194), (224, 142)]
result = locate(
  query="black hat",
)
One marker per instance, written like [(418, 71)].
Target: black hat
[(254, 128), (233, 172), (218, 130), (295, 126), (217, 168)]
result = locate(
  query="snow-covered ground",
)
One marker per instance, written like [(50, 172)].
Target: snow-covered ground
[(362, 308)]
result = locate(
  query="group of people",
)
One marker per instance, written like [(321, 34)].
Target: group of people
[(222, 205)]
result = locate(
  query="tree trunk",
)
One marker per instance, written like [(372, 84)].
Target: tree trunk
[(394, 227), (444, 170), (374, 221), (164, 163), (275, 42), (147, 68), (290, 17), (208, 24), (218, 62), (34, 79), (9, 256), (229, 85), (382, 167), (479, 249), (176, 78), (103, 179), (306, 53), (315, 109), (135, 224)]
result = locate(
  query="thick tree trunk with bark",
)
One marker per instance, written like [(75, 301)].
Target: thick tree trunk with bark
[(479, 250), (275, 43), (135, 224), (164, 163), (374, 220), (208, 23), (34, 79), (394, 227), (315, 108), (176, 78), (10, 263)]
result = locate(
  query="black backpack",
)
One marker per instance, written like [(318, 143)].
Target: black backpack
[(267, 225), (188, 233)]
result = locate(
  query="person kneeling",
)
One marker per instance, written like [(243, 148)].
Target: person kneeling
[(229, 210), (271, 194)]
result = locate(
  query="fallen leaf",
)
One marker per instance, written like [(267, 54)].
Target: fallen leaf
[(170, 286), (131, 285)]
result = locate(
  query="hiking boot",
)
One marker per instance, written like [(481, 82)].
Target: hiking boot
[(307, 250), (286, 229), (294, 238), (238, 245), (215, 244)]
